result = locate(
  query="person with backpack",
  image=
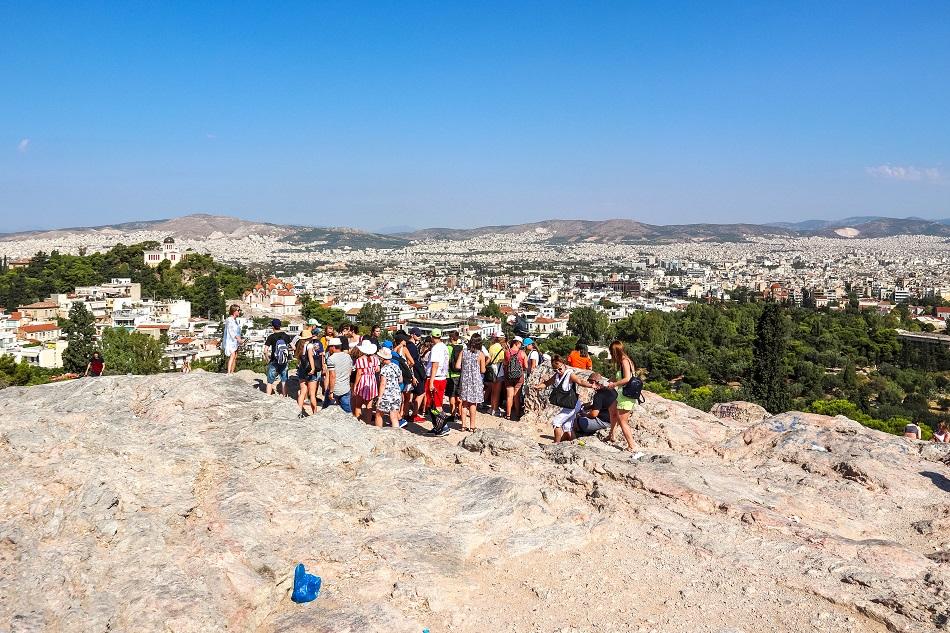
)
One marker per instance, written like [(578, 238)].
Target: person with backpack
[(620, 410), (455, 376), (404, 359), (277, 353), (309, 361), (515, 364), (437, 374), (495, 374)]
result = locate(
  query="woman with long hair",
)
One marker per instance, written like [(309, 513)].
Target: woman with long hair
[(471, 363), (307, 375), (620, 410), (565, 381)]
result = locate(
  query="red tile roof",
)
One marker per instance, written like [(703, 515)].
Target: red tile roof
[(42, 327), (41, 305)]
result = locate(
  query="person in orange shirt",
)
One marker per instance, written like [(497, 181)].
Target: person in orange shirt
[(579, 358)]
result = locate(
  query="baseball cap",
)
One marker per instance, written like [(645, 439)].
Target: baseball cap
[(529, 341), (388, 344), (517, 339), (275, 323), (313, 322), (415, 331), (436, 333)]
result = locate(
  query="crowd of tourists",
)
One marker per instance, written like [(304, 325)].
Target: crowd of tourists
[(412, 377)]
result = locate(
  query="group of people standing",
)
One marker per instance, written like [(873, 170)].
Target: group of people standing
[(409, 377)]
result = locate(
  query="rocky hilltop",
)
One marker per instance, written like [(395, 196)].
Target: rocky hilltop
[(181, 503)]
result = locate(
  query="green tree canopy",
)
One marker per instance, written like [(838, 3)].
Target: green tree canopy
[(127, 352), (589, 325), (370, 314), (80, 333)]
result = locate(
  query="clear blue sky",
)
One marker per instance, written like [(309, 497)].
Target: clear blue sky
[(461, 114)]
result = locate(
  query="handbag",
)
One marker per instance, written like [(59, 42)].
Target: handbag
[(566, 399)]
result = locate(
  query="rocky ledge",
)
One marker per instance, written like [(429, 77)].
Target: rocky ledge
[(181, 503)]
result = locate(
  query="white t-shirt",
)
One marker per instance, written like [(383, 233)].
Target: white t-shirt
[(438, 354), (535, 358)]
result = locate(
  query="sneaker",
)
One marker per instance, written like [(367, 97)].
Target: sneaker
[(418, 418), (403, 423), (443, 431), (301, 415)]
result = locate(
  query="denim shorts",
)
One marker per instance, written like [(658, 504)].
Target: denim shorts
[(273, 372)]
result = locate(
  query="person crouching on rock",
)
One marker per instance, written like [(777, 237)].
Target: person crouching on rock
[(564, 395), (595, 416)]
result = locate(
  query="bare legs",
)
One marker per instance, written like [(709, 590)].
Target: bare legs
[(620, 417), (467, 414)]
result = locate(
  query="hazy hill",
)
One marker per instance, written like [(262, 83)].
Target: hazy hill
[(204, 226)]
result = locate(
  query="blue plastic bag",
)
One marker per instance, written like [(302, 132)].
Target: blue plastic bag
[(306, 586)]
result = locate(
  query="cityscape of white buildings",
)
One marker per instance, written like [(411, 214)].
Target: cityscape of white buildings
[(446, 284)]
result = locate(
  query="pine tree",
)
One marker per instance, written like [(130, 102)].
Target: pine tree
[(768, 385), (80, 334)]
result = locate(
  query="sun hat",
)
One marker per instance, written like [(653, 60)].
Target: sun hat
[(367, 347), (385, 353), (275, 323), (334, 342), (306, 335), (436, 333)]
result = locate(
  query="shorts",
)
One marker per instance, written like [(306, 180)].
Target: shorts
[(273, 373), (590, 426), (624, 403), (452, 386), (564, 420), (308, 377)]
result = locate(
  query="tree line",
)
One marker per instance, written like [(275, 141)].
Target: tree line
[(197, 278), (784, 357)]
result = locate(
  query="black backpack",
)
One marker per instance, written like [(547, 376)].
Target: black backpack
[(634, 389), (514, 371), (453, 359), (404, 368)]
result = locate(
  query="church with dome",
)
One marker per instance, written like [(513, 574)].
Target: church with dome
[(169, 251)]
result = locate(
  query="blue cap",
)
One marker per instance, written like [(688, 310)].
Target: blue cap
[(388, 344), (528, 341), (275, 323)]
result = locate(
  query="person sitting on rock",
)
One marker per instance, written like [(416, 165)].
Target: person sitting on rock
[(942, 434), (912, 431), (564, 378), (595, 416)]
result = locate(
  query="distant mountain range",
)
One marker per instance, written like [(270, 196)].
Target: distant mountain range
[(204, 226)]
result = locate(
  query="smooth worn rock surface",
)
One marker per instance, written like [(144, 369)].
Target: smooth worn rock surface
[(181, 503)]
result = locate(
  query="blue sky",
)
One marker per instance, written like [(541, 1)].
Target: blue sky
[(462, 114)]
